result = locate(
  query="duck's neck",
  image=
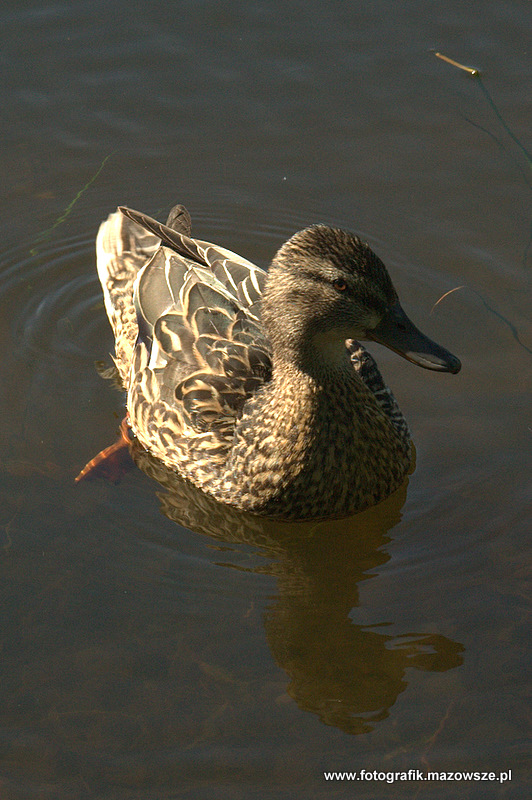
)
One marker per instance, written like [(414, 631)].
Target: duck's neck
[(320, 356)]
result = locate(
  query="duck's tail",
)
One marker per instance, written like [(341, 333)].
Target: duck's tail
[(122, 249)]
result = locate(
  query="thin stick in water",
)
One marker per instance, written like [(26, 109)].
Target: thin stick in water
[(471, 70)]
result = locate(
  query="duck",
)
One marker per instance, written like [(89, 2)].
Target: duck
[(253, 384)]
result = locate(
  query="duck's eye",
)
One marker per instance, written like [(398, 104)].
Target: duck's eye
[(340, 284)]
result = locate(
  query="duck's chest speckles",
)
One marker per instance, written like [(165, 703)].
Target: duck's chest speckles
[(333, 453)]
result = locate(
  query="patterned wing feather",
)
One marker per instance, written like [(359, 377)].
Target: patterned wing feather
[(179, 219), (367, 369), (122, 249), (152, 295), (198, 318)]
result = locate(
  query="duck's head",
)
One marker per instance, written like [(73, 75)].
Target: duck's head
[(325, 285)]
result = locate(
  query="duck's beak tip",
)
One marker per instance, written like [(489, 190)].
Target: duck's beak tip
[(397, 332)]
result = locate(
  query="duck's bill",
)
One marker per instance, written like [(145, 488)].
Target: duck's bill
[(398, 333)]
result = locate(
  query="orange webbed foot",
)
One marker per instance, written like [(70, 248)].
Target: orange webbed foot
[(113, 462)]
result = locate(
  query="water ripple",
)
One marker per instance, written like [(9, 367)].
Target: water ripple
[(52, 298)]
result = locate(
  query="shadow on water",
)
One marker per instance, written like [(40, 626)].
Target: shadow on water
[(349, 675)]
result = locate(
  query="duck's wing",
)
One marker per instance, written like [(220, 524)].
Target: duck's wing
[(201, 351), (179, 219), (122, 249), (241, 277), (367, 369)]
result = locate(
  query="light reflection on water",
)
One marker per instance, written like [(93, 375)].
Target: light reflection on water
[(349, 675)]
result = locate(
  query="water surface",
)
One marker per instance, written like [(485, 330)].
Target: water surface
[(189, 654)]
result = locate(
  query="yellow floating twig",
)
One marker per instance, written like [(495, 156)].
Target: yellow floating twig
[(471, 70), (446, 295)]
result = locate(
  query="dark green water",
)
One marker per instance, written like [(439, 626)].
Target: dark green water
[(147, 656)]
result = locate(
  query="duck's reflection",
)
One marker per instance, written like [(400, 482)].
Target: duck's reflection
[(349, 675)]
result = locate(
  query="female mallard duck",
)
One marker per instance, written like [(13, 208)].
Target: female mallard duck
[(252, 384)]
